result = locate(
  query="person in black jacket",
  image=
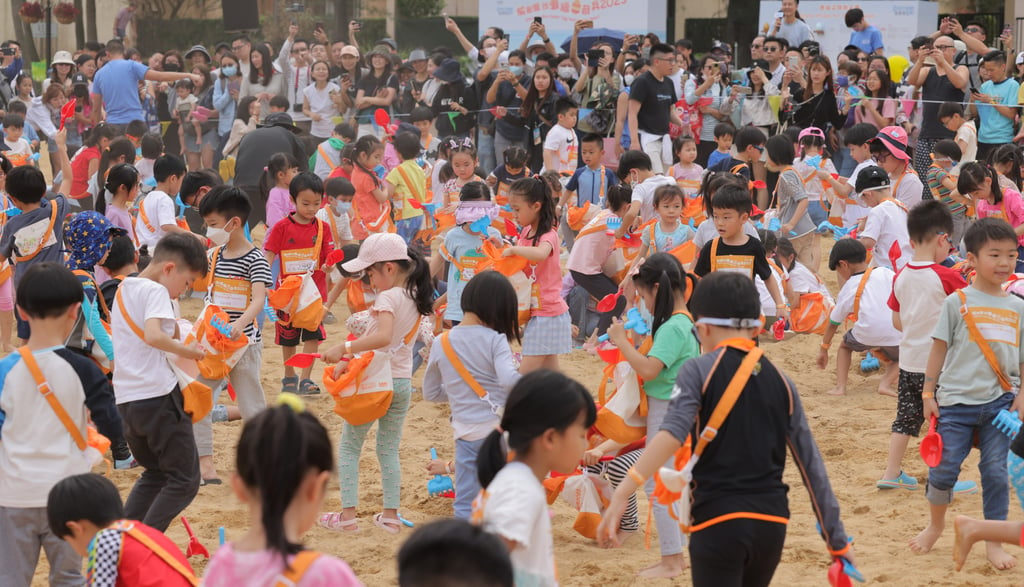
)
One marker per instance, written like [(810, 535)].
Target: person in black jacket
[(455, 103), (275, 135)]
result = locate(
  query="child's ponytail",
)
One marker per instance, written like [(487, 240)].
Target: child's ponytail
[(972, 176), (665, 271), (278, 163), (418, 283), (1009, 154), (785, 249), (277, 449), (121, 175), (542, 400)]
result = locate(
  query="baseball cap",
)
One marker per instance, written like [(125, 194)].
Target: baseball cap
[(62, 58), (895, 140), (378, 248), (721, 46), (79, 79), (871, 178), (350, 50), (1020, 58)]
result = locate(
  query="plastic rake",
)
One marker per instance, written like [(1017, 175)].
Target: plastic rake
[(634, 321), (869, 363), (1007, 422), (220, 325), (440, 485)]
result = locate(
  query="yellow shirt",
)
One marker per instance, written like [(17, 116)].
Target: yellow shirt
[(410, 182)]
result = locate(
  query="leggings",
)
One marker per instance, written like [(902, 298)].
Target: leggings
[(7, 295), (599, 286), (737, 553), (389, 435), (615, 471)]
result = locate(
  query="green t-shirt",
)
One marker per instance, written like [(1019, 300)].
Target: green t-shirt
[(966, 377), (674, 343)]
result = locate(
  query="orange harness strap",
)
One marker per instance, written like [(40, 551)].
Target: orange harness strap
[(983, 345), (44, 388)]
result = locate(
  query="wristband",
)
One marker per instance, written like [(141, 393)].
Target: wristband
[(448, 468), (546, 41), (636, 476), (927, 395), (826, 345), (348, 347)]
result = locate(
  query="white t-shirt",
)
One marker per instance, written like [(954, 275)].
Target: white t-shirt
[(887, 225), (908, 188), (707, 231), (564, 141), (341, 223), (644, 193), (159, 210), (917, 294), (874, 320), (767, 301), (319, 102), (516, 509), (853, 213), (142, 371), (968, 134)]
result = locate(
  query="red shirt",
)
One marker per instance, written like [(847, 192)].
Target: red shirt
[(80, 168), (288, 238), (367, 211), (137, 566)]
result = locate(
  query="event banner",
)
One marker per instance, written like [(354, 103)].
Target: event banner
[(899, 22), (629, 16)]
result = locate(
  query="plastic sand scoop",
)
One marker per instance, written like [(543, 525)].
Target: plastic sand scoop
[(841, 571), (607, 303), (440, 485), (302, 360), (195, 548), (931, 445)]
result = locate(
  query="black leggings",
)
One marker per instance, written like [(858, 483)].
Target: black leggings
[(599, 286), (737, 553)]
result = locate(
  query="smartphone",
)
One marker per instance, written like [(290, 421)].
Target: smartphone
[(318, 26), (1007, 29), (538, 20), (506, 36), (737, 89), (794, 61), (716, 67), (7, 51), (594, 56), (346, 76)]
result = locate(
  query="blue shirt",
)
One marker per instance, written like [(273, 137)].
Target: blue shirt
[(996, 128), (868, 39), (118, 83), (463, 248), (586, 182), (717, 156)]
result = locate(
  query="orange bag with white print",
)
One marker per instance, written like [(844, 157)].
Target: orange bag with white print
[(623, 413), (514, 268), (580, 216), (298, 295), (588, 493), (811, 314), (222, 352)]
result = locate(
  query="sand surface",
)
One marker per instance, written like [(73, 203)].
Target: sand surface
[(852, 433)]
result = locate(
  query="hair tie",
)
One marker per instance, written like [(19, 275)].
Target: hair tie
[(508, 452), (292, 401)]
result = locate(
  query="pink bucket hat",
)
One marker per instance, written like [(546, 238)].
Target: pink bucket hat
[(378, 248), (895, 140)]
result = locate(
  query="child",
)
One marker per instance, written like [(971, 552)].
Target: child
[(669, 234), (6, 273), (158, 430), (1007, 161), (770, 241), (847, 205), (20, 152), (685, 171), (152, 146), (337, 208), (735, 250), (885, 229), (35, 235), (863, 299), (423, 118), (282, 464), (405, 293), (724, 133), (187, 102), (328, 153), (737, 524), (238, 285), (442, 172), (974, 373), (710, 184), (594, 245), (588, 186), (549, 331), (471, 368), (404, 183), (157, 213), (462, 164), (344, 169), (792, 202), (561, 146), (303, 242), (280, 170), (800, 280), (661, 285), (635, 168), (951, 115), (942, 183), (461, 247), (514, 168), (991, 200), (372, 211), (37, 381), (889, 149), (543, 429), (916, 302), (123, 185), (122, 261), (454, 552), (819, 197), (86, 512)]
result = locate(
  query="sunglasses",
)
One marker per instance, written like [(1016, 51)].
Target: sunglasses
[(943, 47)]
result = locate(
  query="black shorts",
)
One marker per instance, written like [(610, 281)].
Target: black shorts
[(287, 336), (909, 406), (742, 552)]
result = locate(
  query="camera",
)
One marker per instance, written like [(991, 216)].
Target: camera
[(8, 51), (594, 57), (538, 20)]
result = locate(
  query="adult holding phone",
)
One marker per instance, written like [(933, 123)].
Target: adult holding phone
[(226, 90), (997, 104), (790, 26), (507, 94), (651, 107), (598, 86), (814, 99), (940, 81), (709, 84)]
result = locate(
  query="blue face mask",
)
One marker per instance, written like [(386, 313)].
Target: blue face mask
[(516, 70), (229, 70), (842, 81)]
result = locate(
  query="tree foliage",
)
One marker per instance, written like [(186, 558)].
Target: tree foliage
[(419, 8)]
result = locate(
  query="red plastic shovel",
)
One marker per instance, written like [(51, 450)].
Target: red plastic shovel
[(931, 445), (607, 303), (195, 548), (302, 360)]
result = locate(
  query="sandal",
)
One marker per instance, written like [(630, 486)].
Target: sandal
[(308, 387), (389, 525), (333, 521), (289, 384)]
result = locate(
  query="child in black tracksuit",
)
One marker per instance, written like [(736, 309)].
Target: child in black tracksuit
[(739, 508)]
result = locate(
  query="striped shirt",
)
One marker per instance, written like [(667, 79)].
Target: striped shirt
[(935, 176), (252, 266)]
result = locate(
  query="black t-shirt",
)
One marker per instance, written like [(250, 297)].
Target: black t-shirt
[(727, 166), (735, 258), (459, 124), (656, 100), (936, 90), (370, 85)]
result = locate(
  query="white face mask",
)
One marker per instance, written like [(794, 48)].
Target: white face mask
[(629, 79), (566, 72), (488, 51), (342, 207), (218, 236)]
